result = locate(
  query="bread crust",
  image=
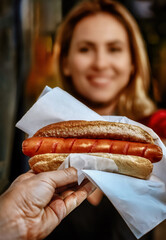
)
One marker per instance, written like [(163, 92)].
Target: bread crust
[(95, 129), (129, 165)]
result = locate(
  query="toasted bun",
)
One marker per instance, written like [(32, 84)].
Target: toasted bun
[(95, 129), (129, 165)]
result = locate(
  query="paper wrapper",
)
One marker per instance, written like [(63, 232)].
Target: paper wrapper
[(141, 203)]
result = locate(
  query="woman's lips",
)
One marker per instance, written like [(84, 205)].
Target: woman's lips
[(99, 81)]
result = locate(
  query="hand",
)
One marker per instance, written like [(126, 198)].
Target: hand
[(35, 204)]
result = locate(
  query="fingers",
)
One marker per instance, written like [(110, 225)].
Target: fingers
[(69, 189), (63, 204), (74, 199), (61, 190), (59, 178)]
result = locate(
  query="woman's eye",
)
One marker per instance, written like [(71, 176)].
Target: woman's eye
[(83, 49), (114, 49)]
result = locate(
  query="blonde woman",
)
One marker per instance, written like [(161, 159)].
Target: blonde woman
[(132, 99)]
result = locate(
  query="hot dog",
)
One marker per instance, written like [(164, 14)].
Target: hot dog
[(112, 140)]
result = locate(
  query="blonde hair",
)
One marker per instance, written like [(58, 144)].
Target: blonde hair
[(134, 102)]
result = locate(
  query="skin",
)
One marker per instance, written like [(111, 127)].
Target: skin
[(100, 55), (35, 204)]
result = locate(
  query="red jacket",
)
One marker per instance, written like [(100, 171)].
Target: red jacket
[(157, 122)]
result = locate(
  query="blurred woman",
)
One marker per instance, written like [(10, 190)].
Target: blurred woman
[(102, 39)]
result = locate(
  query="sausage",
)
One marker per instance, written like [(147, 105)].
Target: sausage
[(40, 145)]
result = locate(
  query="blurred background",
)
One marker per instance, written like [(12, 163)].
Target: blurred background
[(27, 33)]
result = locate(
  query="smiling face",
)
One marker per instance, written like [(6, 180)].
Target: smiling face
[(99, 59)]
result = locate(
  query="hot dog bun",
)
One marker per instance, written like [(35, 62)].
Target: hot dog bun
[(95, 129), (129, 165), (129, 146)]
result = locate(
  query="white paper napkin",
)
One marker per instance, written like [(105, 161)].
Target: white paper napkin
[(85, 161), (54, 105), (141, 203)]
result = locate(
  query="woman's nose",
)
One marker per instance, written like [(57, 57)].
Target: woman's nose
[(101, 60)]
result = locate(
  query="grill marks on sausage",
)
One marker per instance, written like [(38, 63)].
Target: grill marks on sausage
[(93, 146), (125, 150), (74, 145), (144, 151), (71, 146), (110, 150), (39, 145), (54, 147)]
